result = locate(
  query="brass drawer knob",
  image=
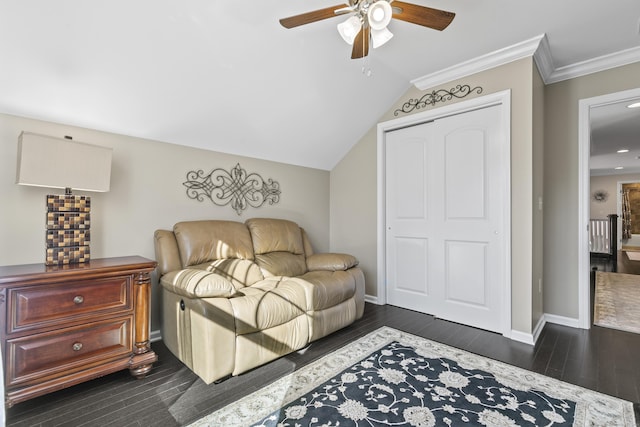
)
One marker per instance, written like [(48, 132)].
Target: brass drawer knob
[(77, 346), (79, 299)]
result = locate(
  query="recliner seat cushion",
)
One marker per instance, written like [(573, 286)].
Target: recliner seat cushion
[(269, 303), (281, 264), (240, 272)]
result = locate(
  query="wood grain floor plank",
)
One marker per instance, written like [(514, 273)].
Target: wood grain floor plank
[(171, 395)]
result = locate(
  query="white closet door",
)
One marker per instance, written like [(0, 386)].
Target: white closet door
[(411, 155), (444, 216)]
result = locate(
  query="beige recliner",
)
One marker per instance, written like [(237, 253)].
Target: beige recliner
[(236, 296)]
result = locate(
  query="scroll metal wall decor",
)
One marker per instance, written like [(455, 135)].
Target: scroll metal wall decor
[(440, 95), (235, 187)]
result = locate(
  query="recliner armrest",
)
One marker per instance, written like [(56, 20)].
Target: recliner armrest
[(331, 262), (167, 254), (195, 283)]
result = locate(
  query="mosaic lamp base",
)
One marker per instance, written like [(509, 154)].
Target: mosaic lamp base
[(68, 235)]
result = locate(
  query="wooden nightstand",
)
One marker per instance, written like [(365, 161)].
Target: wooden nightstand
[(63, 325)]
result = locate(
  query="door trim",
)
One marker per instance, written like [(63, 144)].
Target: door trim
[(502, 98), (584, 196)]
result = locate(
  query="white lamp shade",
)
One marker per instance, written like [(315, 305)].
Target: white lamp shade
[(45, 161), (379, 15), (380, 37), (349, 29)]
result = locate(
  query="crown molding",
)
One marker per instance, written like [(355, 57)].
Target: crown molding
[(539, 48), (544, 60), (485, 62), (601, 63)]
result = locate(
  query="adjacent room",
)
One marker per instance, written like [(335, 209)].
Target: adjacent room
[(614, 214), (377, 212)]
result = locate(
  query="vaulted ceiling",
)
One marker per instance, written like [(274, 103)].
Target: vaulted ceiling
[(224, 75)]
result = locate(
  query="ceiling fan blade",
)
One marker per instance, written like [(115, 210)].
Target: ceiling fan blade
[(422, 15), (361, 44), (316, 15)]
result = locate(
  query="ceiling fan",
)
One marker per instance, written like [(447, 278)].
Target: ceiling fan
[(369, 19)]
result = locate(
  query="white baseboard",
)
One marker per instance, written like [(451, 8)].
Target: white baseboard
[(544, 319), (561, 320), (531, 338), (155, 336), (538, 329), (372, 299), (522, 337)]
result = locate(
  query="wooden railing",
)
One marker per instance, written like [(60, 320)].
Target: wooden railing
[(603, 237)]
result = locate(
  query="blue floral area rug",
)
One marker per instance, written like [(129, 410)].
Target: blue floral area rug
[(391, 378)]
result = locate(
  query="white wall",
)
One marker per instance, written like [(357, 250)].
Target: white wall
[(146, 194)]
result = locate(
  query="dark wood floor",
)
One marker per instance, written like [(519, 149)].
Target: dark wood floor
[(600, 359)]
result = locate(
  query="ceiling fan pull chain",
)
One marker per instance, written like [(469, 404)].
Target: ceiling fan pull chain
[(366, 70)]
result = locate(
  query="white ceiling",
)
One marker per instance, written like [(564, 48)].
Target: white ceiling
[(224, 75), (615, 127)]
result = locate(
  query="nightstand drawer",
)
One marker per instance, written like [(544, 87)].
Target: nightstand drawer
[(63, 351), (38, 305)]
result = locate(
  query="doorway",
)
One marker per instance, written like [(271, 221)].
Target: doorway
[(587, 108)]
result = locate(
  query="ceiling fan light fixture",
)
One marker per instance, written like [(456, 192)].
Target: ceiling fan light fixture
[(379, 15), (349, 29), (369, 17), (380, 37)]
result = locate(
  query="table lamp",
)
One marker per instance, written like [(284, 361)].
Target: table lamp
[(46, 161)]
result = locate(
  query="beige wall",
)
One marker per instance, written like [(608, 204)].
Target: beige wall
[(146, 194), (561, 181), (353, 207), (354, 186)]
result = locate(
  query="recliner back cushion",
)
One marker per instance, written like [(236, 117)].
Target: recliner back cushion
[(278, 246), (275, 235), (204, 241)]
